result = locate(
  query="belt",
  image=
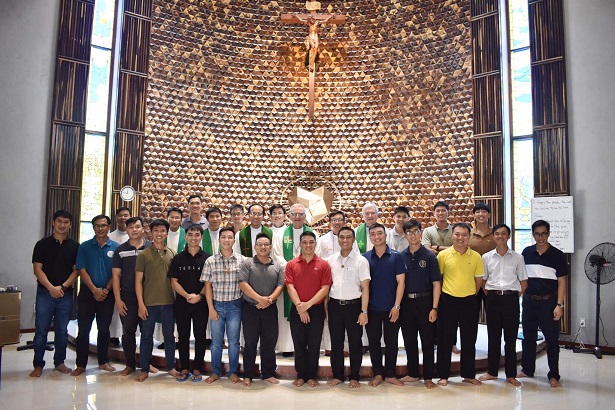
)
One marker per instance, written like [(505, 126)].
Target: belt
[(346, 302), (541, 297), (502, 292), (419, 295)]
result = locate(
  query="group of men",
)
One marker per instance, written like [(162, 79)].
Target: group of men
[(281, 285)]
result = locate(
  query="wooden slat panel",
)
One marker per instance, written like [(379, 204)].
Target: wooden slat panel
[(497, 208), (62, 198), (132, 102), (134, 205), (488, 159), (551, 161), (486, 45), (139, 7), (546, 29), (135, 51), (70, 91), (487, 98), (549, 93), (127, 168), (66, 156), (479, 7), (75, 30)]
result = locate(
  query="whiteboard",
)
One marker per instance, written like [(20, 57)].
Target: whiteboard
[(558, 211)]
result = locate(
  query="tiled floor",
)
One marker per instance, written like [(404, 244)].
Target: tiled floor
[(588, 383)]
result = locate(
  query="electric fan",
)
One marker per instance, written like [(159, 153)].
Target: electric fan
[(600, 269)]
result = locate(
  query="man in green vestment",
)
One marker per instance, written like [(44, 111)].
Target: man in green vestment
[(176, 240), (245, 239), (370, 216), (211, 240)]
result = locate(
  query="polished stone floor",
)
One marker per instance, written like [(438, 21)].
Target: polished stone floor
[(588, 383)]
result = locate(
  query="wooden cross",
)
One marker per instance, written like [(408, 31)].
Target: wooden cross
[(312, 20)]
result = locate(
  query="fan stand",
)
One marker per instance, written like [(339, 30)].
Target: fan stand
[(596, 350)]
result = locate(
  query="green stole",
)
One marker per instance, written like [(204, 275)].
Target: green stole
[(206, 242), (287, 248), (245, 239), (181, 243), (362, 238)]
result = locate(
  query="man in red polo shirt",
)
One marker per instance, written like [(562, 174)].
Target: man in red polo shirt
[(308, 279)]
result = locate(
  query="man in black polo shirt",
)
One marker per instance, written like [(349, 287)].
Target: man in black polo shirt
[(543, 301), (123, 271), (419, 307), (53, 261)]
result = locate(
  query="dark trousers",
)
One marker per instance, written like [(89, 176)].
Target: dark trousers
[(379, 322), (306, 340), (259, 324), (540, 313), (342, 320), (503, 315), (453, 312), (186, 314), (414, 318), (88, 309), (129, 331)]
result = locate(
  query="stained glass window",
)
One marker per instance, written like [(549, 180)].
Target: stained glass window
[(93, 180), (98, 90), (104, 15), (519, 24), (523, 191), (521, 93)]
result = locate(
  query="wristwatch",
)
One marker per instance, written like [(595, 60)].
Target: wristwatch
[(397, 307), (364, 312), (434, 308), (560, 305)]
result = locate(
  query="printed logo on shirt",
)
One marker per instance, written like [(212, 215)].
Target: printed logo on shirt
[(110, 254), (422, 263)]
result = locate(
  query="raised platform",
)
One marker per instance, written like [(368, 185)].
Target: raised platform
[(286, 365)]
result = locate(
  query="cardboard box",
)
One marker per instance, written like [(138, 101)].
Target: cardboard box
[(10, 308)]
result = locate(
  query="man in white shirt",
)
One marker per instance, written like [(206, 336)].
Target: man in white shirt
[(120, 235), (277, 214), (195, 204), (347, 306), (396, 239), (211, 235)]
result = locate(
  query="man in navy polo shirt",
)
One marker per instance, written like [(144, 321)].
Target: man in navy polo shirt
[(386, 290), (543, 301), (419, 308), (95, 294)]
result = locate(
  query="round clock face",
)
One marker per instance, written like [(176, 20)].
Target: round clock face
[(127, 193)]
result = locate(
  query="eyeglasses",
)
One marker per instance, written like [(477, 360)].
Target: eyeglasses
[(295, 214), (541, 234), (336, 219), (237, 214), (101, 226), (262, 245), (256, 214), (412, 233)]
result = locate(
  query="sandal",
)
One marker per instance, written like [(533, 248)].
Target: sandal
[(196, 377), (183, 377)]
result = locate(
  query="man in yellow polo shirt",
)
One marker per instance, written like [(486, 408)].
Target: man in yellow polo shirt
[(462, 275)]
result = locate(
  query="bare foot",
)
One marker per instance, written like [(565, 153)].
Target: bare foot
[(247, 382), (486, 377), (126, 371), (555, 383), (409, 379), (142, 376), (212, 378), (37, 372), (394, 380), (153, 369), (354, 384), (106, 367), (475, 382), (234, 378), (429, 384), (173, 373), (273, 380), (513, 381), (375, 381), (443, 382), (334, 382), (298, 382), (63, 369), (77, 371), (313, 383), (456, 350), (521, 374)]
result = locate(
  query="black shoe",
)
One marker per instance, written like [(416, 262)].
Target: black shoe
[(207, 343), (287, 354), (161, 346), (114, 342)]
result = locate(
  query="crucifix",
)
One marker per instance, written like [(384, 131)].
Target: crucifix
[(312, 20)]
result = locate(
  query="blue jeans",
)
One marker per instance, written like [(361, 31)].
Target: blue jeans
[(147, 336), (229, 320), (48, 309)]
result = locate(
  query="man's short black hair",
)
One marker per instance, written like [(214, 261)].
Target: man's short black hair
[(212, 210), (250, 207), (62, 213), (191, 197), (441, 203), (307, 233), (498, 226), (175, 209), (482, 206), (276, 206), (133, 220), (401, 209), (346, 228), (159, 222), (123, 208), (378, 225), (226, 229), (412, 223), (332, 214), (539, 223), (464, 226), (262, 235), (97, 217), (195, 227), (236, 206)]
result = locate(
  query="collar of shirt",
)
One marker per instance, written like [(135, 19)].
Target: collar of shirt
[(95, 242), (453, 250), (256, 260)]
